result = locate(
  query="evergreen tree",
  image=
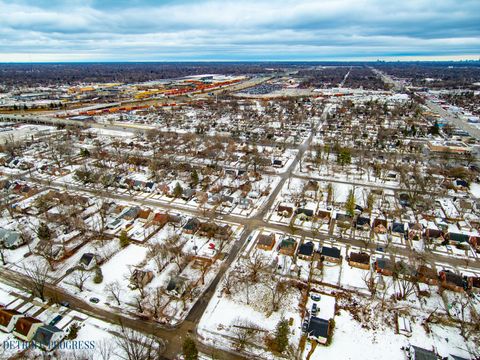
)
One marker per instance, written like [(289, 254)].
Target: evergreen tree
[(189, 348), (124, 240), (370, 201), (281, 335), (350, 204), (329, 193), (44, 233), (194, 177), (344, 157), (178, 191), (435, 129), (98, 275)]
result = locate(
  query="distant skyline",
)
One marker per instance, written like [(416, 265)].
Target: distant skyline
[(261, 30)]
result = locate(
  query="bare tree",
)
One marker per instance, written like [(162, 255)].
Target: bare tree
[(279, 290), (37, 273), (79, 278), (115, 290), (244, 332), (369, 281), (133, 345), (104, 349), (256, 264)]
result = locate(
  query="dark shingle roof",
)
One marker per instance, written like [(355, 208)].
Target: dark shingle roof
[(318, 327), (332, 252), (306, 249)]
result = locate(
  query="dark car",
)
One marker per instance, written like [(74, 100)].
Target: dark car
[(94, 300), (314, 309), (55, 320), (305, 325), (315, 297), (380, 248)]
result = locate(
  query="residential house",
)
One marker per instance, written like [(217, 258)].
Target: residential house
[(130, 213), (284, 210), (324, 216), (380, 226), (191, 226), (434, 235), (11, 239), (415, 231), (187, 194), (416, 353), (384, 266), (140, 278), (398, 228), (266, 242), (287, 247), (318, 330), (304, 213), (457, 238), (88, 261), (177, 286), (244, 203), (452, 281), (8, 319), (331, 254), (305, 251), (159, 220), (359, 260), (26, 327), (427, 275), (362, 223), (48, 337)]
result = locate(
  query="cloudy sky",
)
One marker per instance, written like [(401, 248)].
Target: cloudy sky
[(133, 30)]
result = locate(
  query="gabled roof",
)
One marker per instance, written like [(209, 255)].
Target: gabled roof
[(288, 243), (24, 324), (363, 221), (265, 239), (192, 224), (423, 354), (362, 258), (6, 316), (332, 252), (385, 264), (44, 334), (306, 249), (398, 228), (458, 237), (318, 327), (87, 258)]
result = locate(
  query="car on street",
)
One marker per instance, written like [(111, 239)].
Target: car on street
[(94, 300)]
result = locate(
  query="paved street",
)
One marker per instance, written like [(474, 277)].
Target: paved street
[(174, 336)]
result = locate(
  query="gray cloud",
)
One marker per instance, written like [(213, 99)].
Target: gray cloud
[(229, 30)]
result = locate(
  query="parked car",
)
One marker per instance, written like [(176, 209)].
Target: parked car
[(314, 309), (94, 300), (65, 304), (56, 320), (305, 325), (380, 248), (315, 297)]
